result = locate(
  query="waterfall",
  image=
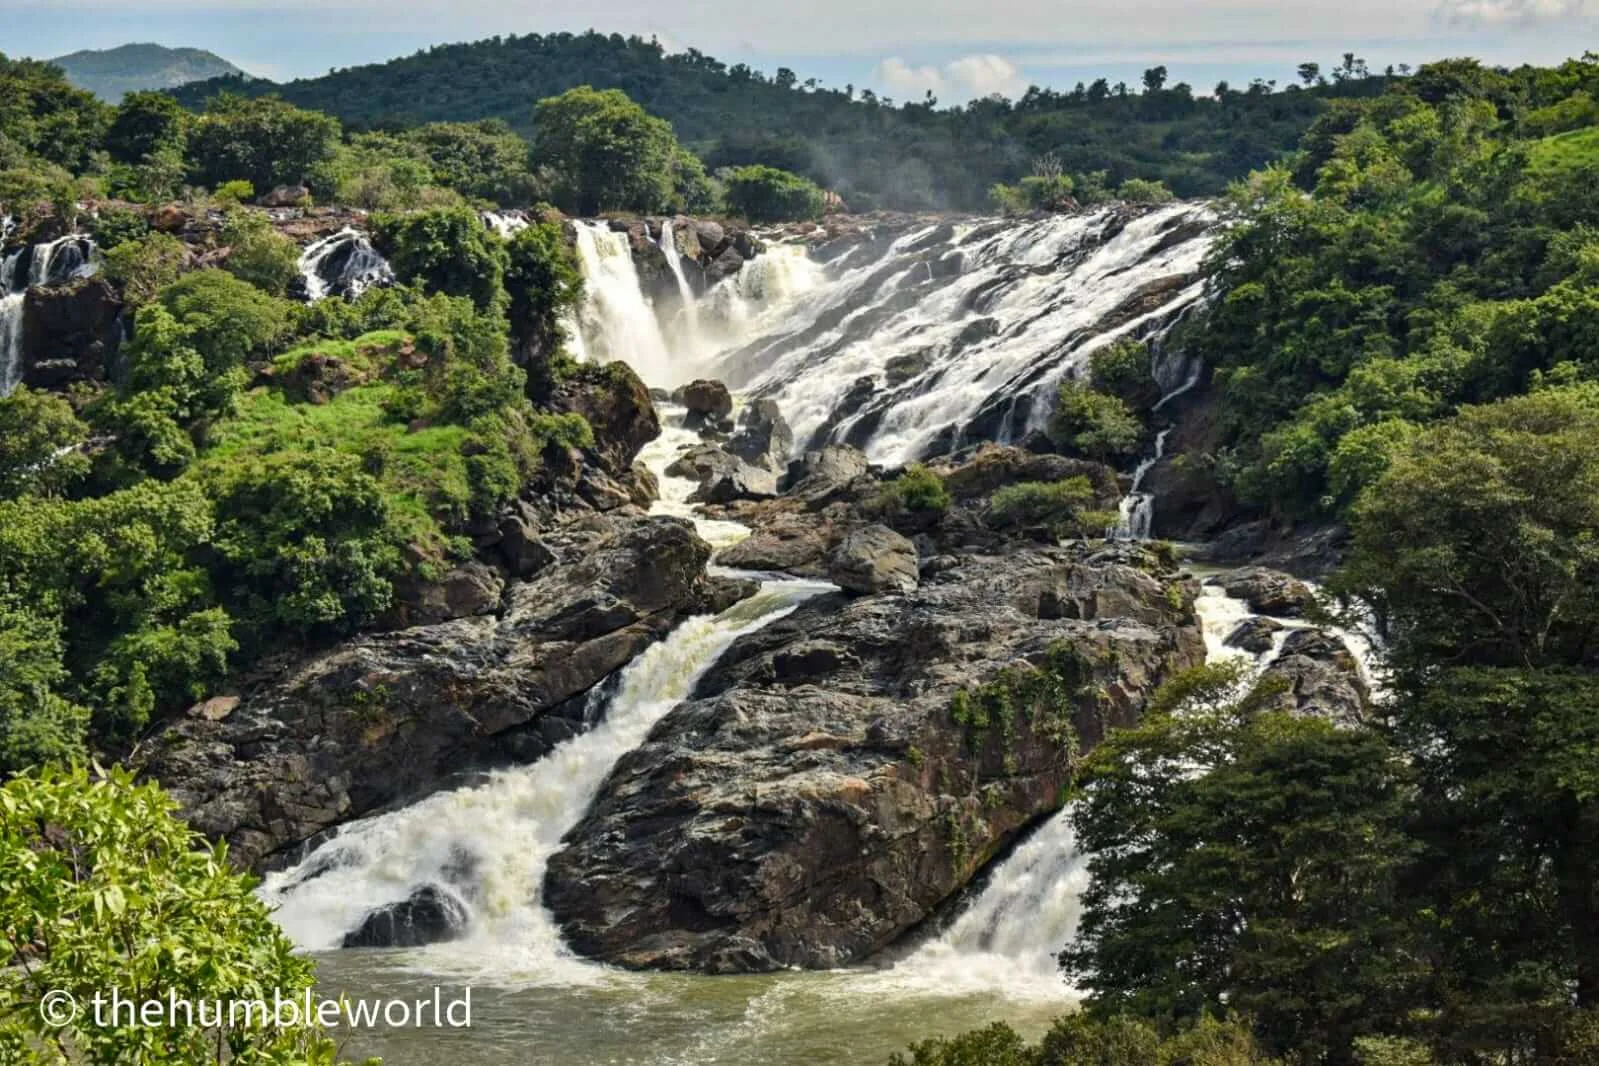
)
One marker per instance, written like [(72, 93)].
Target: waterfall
[(342, 264), (506, 223), (52, 263), (616, 321), (963, 332), (687, 323), (1137, 509)]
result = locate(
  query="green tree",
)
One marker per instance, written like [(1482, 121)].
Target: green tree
[(145, 124), (485, 160), (543, 281), (41, 441), (38, 726), (446, 250), (141, 267), (1094, 423), (259, 254), (604, 152), (266, 142), (766, 194), (106, 889)]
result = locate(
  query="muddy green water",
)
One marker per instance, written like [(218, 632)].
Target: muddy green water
[(792, 1019)]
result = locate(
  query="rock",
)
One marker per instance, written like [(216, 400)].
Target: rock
[(169, 218), (874, 559), (793, 544), (821, 476), (617, 405), (388, 717), (524, 553), (215, 709), (470, 589), (1321, 678), (722, 478), (979, 474), (722, 592), (712, 237), (69, 333), (1254, 635), (1266, 591), (727, 263), (430, 915), (707, 402), (763, 438), (286, 196), (816, 798)]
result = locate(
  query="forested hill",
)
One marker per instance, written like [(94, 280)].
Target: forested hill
[(112, 73), (874, 151)]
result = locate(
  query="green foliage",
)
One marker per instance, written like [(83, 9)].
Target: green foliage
[(106, 889), (37, 726), (113, 225), (604, 152), (265, 141), (142, 266), (43, 116), (446, 250), (767, 194), (1125, 370), (917, 489), (1196, 821), (543, 281), (226, 320), (1044, 698), (234, 192), (1061, 508), (145, 124), (1143, 191), (1095, 424), (1079, 1040), (483, 160), (40, 444), (258, 253)]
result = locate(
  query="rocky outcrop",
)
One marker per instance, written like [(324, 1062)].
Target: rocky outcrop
[(1254, 635), (841, 773), (979, 473), (70, 333), (617, 405), (388, 717), (873, 559), (427, 916), (1320, 677), (1268, 592), (763, 438), (722, 477), (708, 402)]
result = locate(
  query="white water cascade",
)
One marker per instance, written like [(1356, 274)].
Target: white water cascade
[(686, 326), (52, 263), (615, 320), (343, 264), (1137, 508)]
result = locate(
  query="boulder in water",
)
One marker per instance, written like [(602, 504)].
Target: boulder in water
[(1267, 591), (1321, 678), (430, 915), (707, 401), (1254, 635), (763, 438), (722, 477), (874, 559)]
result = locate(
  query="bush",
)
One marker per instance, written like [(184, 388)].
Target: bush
[(1061, 507), (228, 321), (1143, 191), (143, 266), (1036, 192), (37, 726), (446, 250), (40, 444), (1123, 369), (543, 280), (917, 489), (234, 193), (258, 253), (106, 889), (114, 225), (1095, 424), (766, 194)]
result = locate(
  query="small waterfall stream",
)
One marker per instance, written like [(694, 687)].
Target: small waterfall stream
[(343, 264), (615, 320), (51, 263)]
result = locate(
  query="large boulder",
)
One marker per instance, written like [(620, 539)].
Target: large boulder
[(1269, 592), (1320, 677), (841, 773), (617, 405), (873, 559), (825, 475), (1255, 635), (388, 717), (707, 400), (980, 473), (763, 438), (429, 915), (466, 590), (722, 477), (69, 333)]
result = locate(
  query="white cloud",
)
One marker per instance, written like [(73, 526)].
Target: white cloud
[(1509, 12), (961, 79)]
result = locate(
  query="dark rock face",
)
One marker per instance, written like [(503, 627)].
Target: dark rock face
[(990, 467), (69, 333), (873, 559), (469, 589), (387, 717), (706, 400), (821, 476), (430, 915), (1267, 591), (722, 477), (1253, 635), (817, 797), (618, 408), (763, 438), (1322, 678)]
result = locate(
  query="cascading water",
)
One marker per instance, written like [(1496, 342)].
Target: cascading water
[(343, 264), (615, 320), (686, 331), (1137, 508), (506, 223), (52, 263)]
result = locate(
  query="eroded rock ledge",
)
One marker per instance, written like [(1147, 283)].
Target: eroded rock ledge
[(828, 787)]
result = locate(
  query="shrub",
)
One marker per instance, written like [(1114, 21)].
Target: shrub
[(766, 194), (258, 253), (114, 225), (1095, 424), (104, 889), (1123, 370), (37, 726), (1143, 191), (1061, 507), (917, 489), (234, 192), (40, 440), (141, 267), (446, 250)]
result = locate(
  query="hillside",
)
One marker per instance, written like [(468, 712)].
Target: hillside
[(874, 151), (112, 73)]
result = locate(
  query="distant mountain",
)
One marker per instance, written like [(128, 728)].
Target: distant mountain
[(113, 72)]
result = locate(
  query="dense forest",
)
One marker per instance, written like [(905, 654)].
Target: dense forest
[(1404, 338), (873, 151)]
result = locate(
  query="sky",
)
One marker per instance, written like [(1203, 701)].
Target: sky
[(958, 49)]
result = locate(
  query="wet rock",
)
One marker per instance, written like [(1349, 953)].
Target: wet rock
[(470, 589), (874, 559), (722, 477), (430, 915), (69, 333), (1266, 591), (1321, 678), (1254, 635), (816, 798), (793, 544), (707, 401), (977, 474), (388, 717), (763, 438), (824, 475)]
